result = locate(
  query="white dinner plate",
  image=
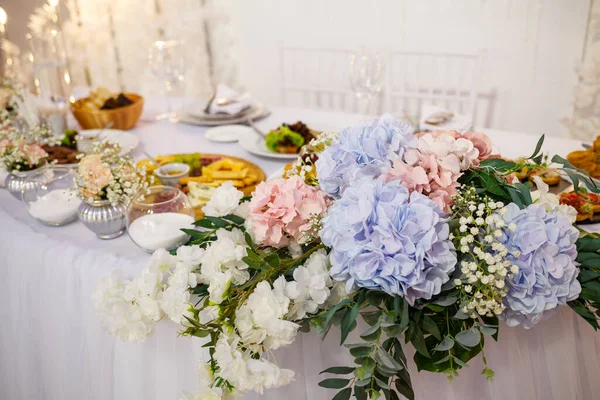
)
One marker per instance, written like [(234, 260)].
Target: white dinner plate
[(258, 111), (196, 110), (228, 133), (255, 144), (127, 140)]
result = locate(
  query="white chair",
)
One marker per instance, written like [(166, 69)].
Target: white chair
[(448, 80), (318, 78)]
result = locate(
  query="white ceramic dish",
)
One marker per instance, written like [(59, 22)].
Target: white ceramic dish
[(256, 112), (255, 144), (127, 140), (228, 133), (172, 180)]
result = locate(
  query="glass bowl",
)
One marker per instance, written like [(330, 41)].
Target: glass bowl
[(155, 217), (49, 195)]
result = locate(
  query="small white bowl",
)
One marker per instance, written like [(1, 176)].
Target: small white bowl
[(172, 179)]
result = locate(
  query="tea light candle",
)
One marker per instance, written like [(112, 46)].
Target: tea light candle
[(160, 231), (55, 207)]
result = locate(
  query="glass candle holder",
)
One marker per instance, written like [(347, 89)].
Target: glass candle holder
[(49, 196), (155, 217)]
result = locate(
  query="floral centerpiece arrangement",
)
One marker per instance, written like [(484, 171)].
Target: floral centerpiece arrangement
[(22, 150), (105, 174), (424, 237)]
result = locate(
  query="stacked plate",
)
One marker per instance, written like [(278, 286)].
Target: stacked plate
[(194, 114)]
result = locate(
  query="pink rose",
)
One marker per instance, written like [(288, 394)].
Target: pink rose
[(480, 140), (34, 154), (95, 175), (285, 210)]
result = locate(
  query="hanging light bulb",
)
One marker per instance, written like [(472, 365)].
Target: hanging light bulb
[(52, 3)]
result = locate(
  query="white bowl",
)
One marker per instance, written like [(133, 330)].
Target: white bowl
[(172, 179)]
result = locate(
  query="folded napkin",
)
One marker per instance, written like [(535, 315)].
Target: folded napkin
[(236, 102), (434, 118)]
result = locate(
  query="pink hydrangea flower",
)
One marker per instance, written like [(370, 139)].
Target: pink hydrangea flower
[(285, 210)]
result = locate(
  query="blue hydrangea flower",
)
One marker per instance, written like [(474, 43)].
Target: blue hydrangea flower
[(542, 244), (382, 237), (362, 151)]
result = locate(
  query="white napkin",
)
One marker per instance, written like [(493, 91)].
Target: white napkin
[(224, 92), (456, 122)]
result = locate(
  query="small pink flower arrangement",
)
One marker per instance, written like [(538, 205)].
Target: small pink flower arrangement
[(95, 175), (18, 155), (285, 211), (106, 175)]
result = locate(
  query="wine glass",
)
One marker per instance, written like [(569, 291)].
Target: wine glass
[(366, 76), (166, 62)]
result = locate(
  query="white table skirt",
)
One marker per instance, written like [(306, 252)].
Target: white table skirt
[(52, 346)]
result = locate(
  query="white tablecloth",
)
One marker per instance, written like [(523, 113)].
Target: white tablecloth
[(52, 346)]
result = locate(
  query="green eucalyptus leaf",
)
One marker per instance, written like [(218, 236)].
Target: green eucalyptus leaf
[(405, 388), (338, 370), (334, 383), (381, 383), (360, 393), (488, 331), (372, 334), (363, 383), (273, 260), (348, 322), (469, 338), (217, 222), (204, 223), (431, 327), (361, 351), (538, 147), (445, 344), (371, 317), (343, 394), (388, 361), (234, 219), (418, 341), (446, 300), (375, 297)]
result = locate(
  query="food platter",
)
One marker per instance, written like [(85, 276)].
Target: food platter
[(209, 171)]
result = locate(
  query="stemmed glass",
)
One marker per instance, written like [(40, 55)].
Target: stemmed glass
[(166, 62), (366, 77)]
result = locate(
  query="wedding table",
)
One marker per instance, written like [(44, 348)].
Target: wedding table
[(53, 347)]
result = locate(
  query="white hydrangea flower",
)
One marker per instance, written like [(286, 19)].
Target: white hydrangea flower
[(246, 373), (224, 201), (219, 284), (121, 318), (311, 286), (226, 254), (175, 302), (261, 318), (191, 255)]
